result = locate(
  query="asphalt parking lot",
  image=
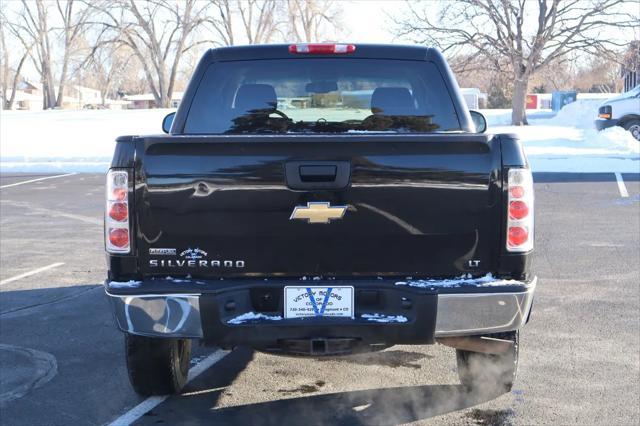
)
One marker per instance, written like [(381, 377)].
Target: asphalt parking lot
[(62, 360)]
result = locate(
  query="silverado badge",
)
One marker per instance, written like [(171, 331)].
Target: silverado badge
[(318, 212)]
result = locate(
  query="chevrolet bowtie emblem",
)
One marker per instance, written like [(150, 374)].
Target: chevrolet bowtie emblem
[(318, 212)]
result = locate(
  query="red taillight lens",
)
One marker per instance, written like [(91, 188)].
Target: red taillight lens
[(118, 211), (322, 48), (518, 209), (119, 237), (518, 236), (516, 192), (119, 194)]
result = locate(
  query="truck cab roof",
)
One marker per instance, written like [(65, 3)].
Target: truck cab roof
[(362, 51)]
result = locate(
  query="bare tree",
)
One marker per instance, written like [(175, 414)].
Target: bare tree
[(260, 20), (75, 17), (37, 28), (31, 27), (222, 22), (309, 19), (528, 35), (158, 32), (558, 75), (109, 67), (10, 75)]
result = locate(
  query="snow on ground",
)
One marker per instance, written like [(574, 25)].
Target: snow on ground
[(83, 141), (569, 142), (69, 141)]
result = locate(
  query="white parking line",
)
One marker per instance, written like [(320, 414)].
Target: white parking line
[(621, 186), (36, 180), (153, 401), (28, 274), (54, 213)]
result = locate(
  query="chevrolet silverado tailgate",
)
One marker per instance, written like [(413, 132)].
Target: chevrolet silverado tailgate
[(403, 205)]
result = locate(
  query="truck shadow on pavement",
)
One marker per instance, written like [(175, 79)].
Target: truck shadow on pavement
[(386, 406), (373, 406)]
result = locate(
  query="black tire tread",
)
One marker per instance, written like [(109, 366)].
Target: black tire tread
[(154, 364)]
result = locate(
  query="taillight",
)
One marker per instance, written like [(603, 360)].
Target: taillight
[(516, 192), (322, 48), (119, 237), (517, 236), (519, 210), (119, 211), (116, 223)]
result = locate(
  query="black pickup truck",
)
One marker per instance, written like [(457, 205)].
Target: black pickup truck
[(320, 199)]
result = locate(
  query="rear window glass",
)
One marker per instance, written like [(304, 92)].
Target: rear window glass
[(321, 95)]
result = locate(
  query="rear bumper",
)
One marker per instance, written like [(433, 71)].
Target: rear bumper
[(603, 123), (413, 314)]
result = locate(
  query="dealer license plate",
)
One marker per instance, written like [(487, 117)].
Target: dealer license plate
[(318, 302)]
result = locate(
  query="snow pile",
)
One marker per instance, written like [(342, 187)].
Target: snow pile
[(384, 318), (614, 141), (69, 141), (569, 142), (580, 114), (614, 138), (464, 280), (251, 316), (570, 149), (497, 117)]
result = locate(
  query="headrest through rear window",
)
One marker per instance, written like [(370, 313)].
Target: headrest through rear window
[(256, 99), (392, 101)]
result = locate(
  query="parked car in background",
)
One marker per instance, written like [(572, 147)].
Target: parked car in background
[(623, 111)]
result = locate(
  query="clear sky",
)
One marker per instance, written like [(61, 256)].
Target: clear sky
[(367, 21)]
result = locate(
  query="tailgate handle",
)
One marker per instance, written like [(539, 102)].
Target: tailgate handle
[(315, 173), (310, 175)]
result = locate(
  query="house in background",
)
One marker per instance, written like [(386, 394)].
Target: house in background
[(631, 66), (29, 87), (474, 98), (84, 97), (29, 97), (630, 79), (146, 100)]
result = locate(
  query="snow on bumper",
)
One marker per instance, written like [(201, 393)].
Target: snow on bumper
[(458, 313)]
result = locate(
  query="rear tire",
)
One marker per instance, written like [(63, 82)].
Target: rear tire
[(157, 366), (492, 373), (633, 126)]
